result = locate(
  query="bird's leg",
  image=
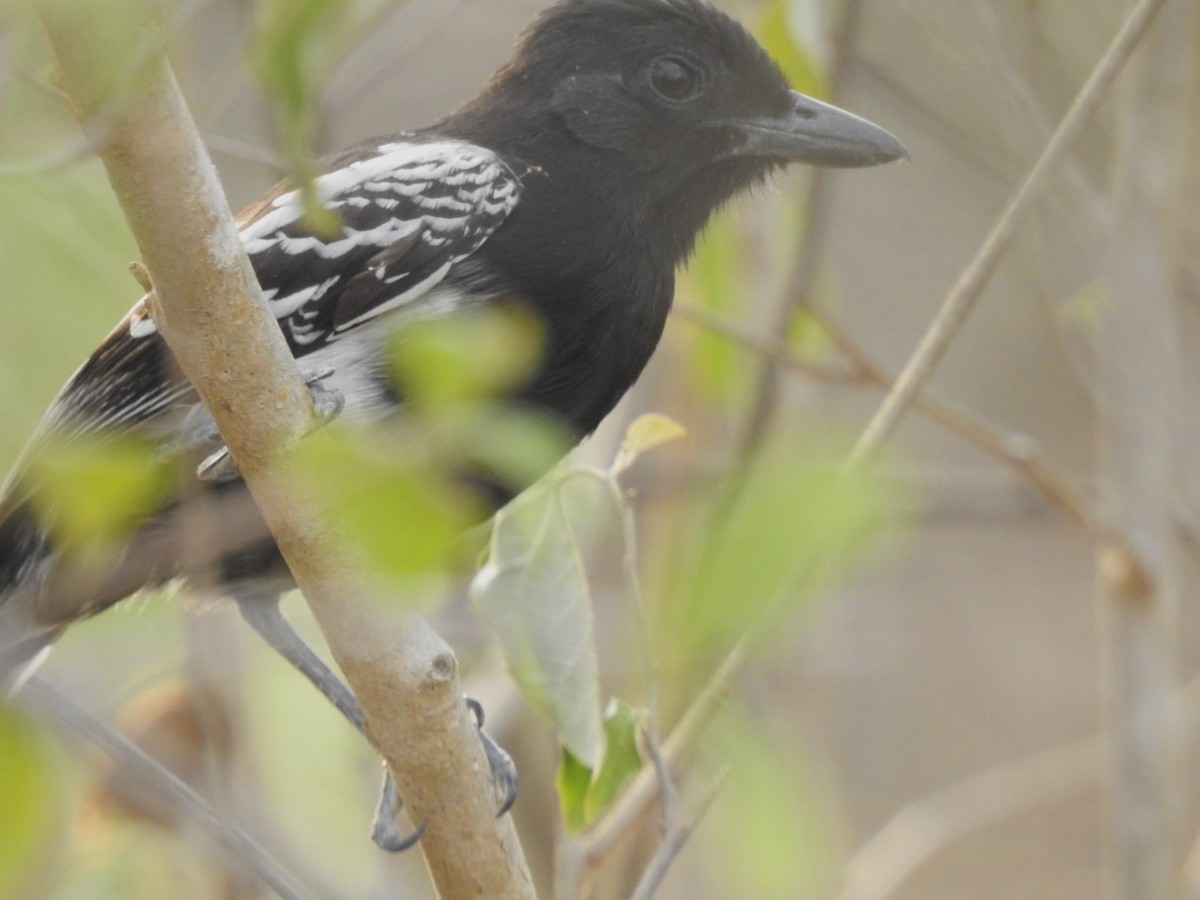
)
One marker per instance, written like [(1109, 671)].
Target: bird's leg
[(263, 614), (327, 402), (265, 617)]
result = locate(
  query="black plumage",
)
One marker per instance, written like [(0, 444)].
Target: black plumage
[(575, 182)]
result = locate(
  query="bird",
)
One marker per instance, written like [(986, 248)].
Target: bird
[(575, 182)]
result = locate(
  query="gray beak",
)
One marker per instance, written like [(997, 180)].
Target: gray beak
[(818, 134)]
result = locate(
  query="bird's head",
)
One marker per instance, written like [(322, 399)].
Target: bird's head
[(676, 86)]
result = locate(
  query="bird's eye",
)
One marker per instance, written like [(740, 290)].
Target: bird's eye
[(675, 79)]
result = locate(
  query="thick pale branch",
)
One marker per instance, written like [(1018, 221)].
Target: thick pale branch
[(210, 311)]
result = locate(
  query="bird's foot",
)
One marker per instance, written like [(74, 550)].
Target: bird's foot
[(327, 402), (504, 770), (387, 836)]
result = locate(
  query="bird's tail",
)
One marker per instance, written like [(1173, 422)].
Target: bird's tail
[(25, 555)]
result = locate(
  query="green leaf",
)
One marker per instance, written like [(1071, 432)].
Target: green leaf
[(622, 757), (473, 356), (534, 590), (393, 499), (777, 821), (30, 794), (92, 493), (779, 39), (573, 781), (295, 44), (646, 432), (584, 794), (796, 521)]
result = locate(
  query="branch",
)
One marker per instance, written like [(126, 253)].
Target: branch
[(957, 306), (208, 307), (643, 790), (164, 786), (1016, 451)]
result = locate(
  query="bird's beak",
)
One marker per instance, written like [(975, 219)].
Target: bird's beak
[(818, 134)]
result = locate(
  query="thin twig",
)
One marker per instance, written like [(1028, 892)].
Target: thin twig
[(1016, 451), (674, 842), (604, 834), (963, 296), (47, 702)]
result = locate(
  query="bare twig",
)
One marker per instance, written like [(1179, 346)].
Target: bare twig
[(643, 789), (1016, 451), (49, 703), (209, 309), (961, 300), (673, 843)]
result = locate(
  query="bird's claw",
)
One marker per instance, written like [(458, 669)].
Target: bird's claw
[(504, 770), (327, 402), (384, 832), (387, 836)]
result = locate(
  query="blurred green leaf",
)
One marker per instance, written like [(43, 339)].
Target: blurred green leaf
[(29, 798), (584, 794), (471, 356), (646, 432), (775, 819), (295, 44), (512, 447), (795, 522), (93, 492), (390, 497), (534, 590), (780, 41)]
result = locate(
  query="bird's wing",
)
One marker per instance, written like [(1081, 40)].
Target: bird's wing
[(409, 209)]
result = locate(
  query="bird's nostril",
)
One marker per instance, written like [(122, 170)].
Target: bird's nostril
[(803, 110)]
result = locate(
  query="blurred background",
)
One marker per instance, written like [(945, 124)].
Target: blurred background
[(951, 676)]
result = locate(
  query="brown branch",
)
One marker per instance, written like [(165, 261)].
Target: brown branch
[(961, 300), (210, 311), (1015, 451)]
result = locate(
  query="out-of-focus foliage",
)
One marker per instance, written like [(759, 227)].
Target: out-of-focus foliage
[(92, 492), (777, 33), (29, 800), (772, 816), (795, 522), (475, 356), (296, 44)]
